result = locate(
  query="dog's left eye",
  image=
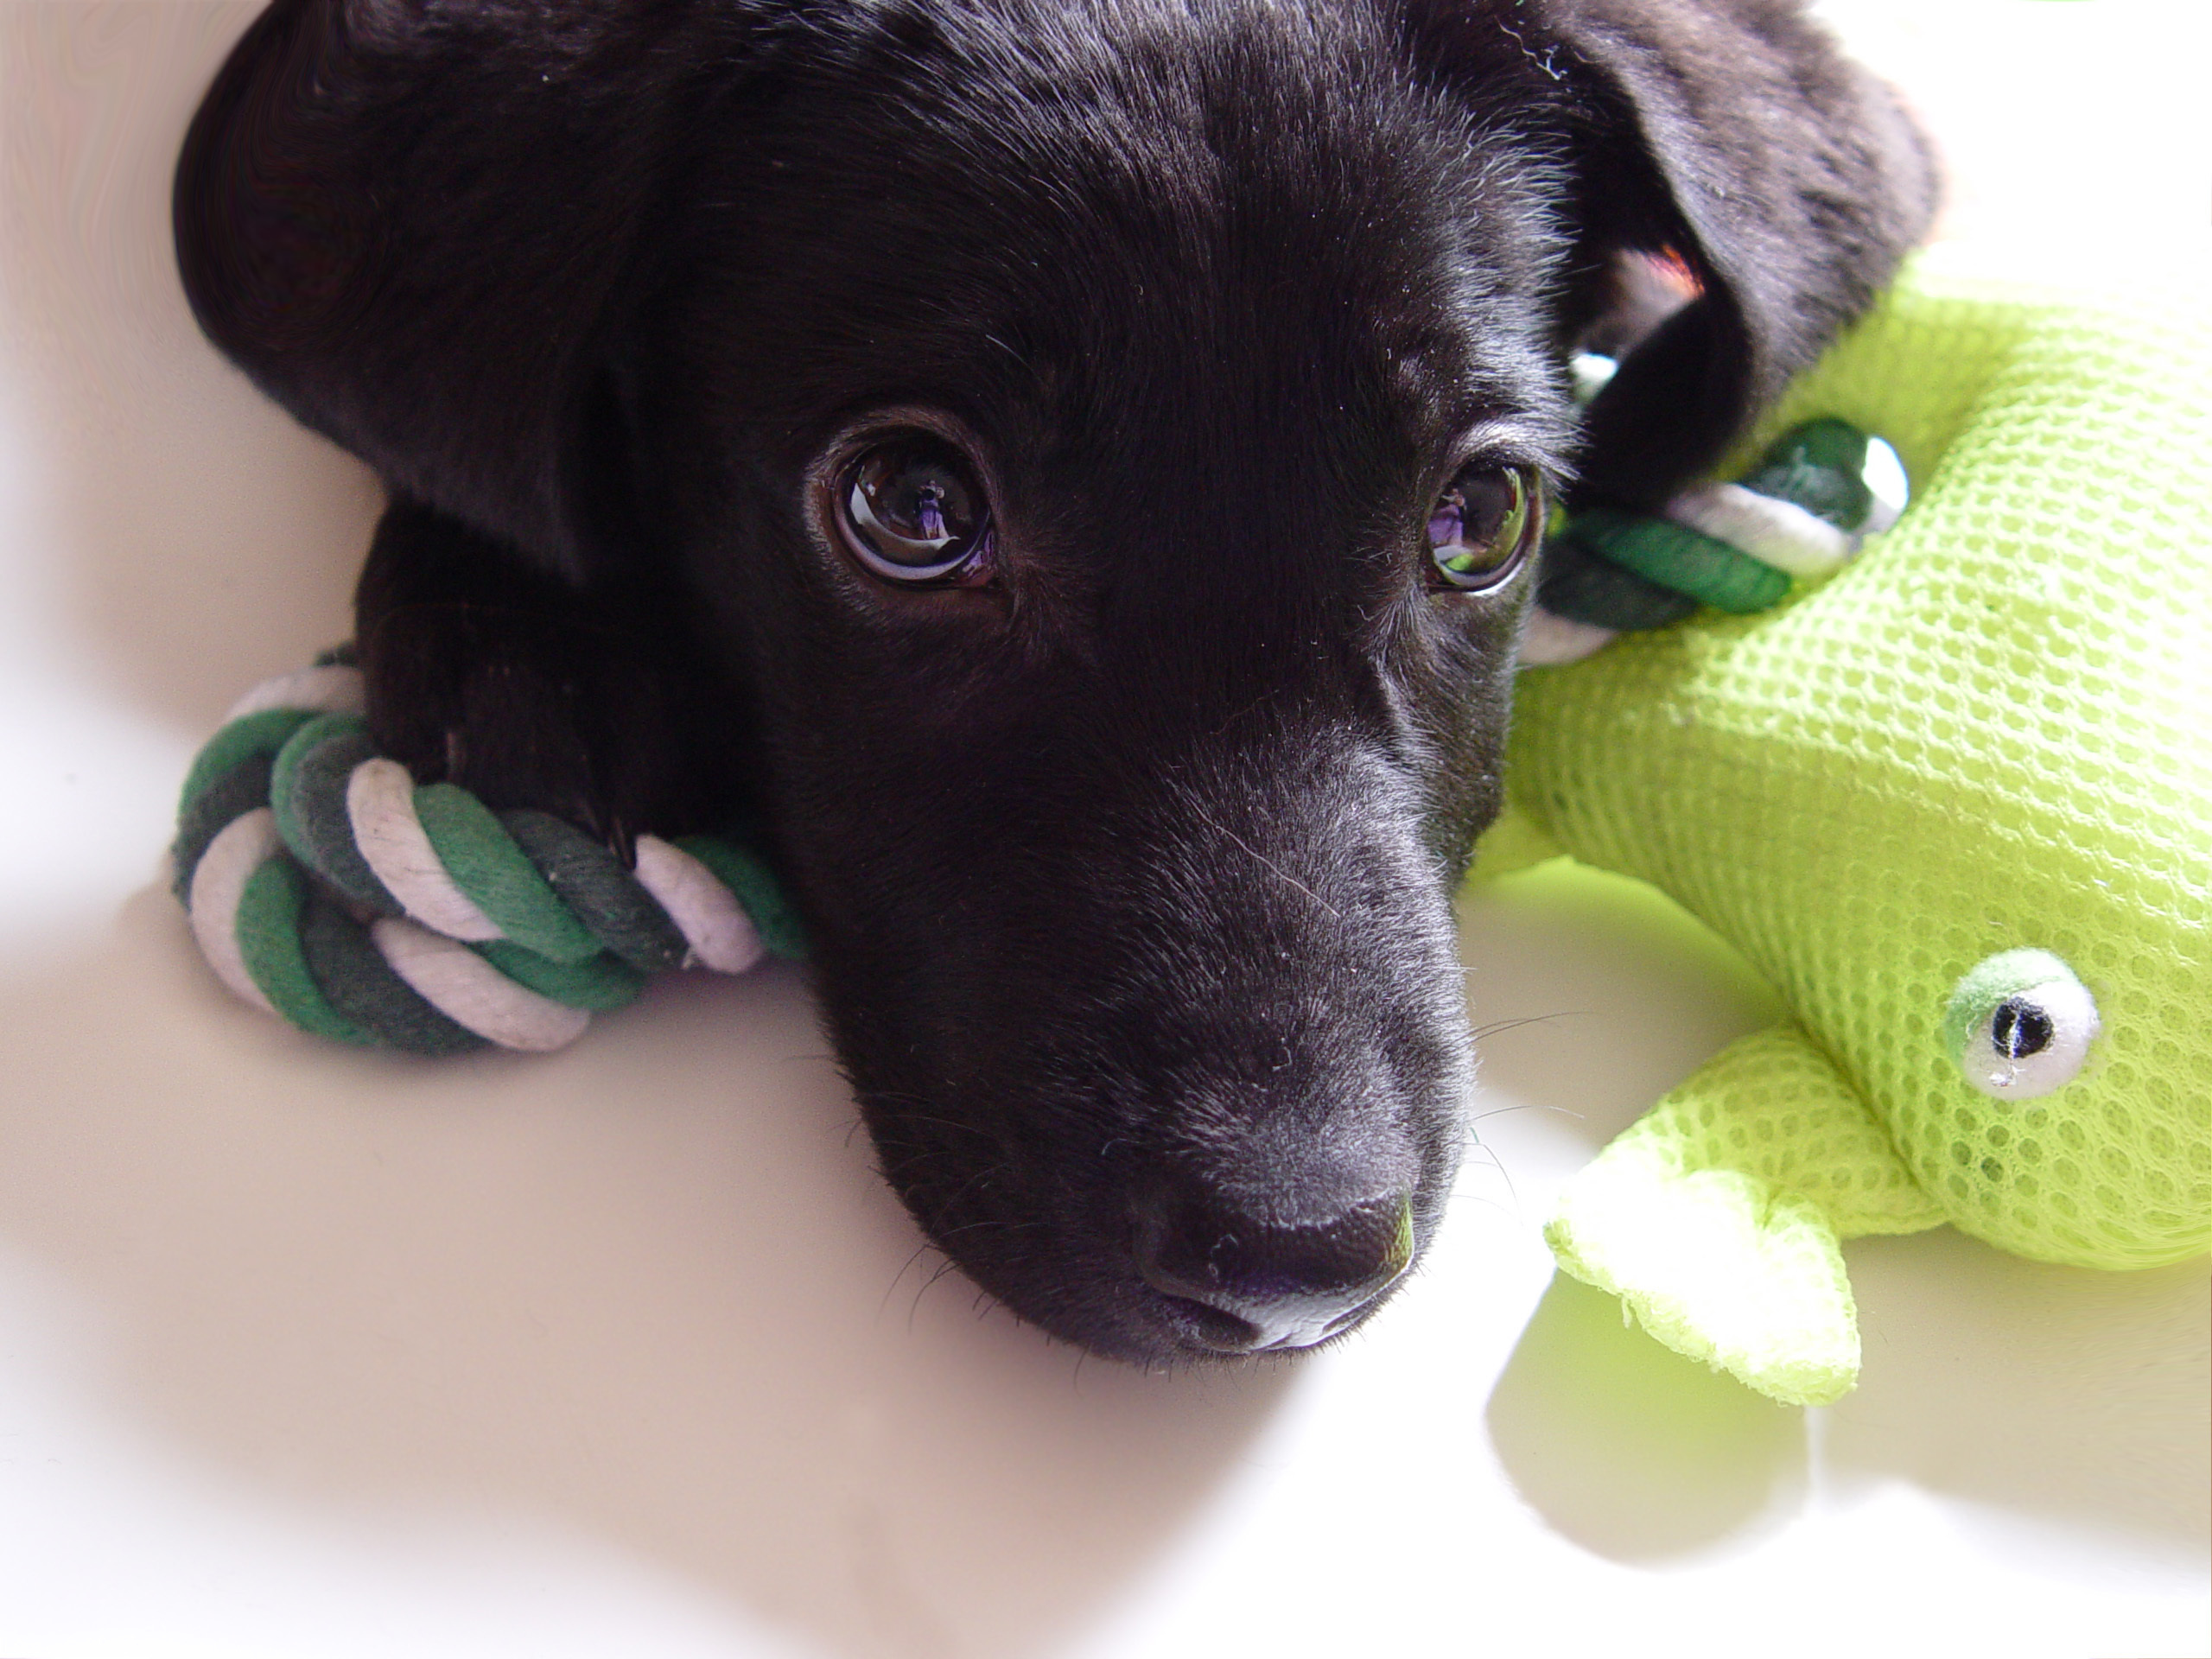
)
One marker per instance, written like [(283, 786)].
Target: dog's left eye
[(911, 511), (1483, 527)]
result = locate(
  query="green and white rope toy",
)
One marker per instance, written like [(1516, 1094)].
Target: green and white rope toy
[(1803, 513), (325, 886)]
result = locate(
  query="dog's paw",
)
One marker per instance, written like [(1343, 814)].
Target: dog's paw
[(457, 696)]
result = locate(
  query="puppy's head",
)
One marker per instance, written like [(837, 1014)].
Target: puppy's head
[(1107, 444)]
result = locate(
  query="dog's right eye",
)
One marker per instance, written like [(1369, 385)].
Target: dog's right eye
[(1483, 527), (909, 509)]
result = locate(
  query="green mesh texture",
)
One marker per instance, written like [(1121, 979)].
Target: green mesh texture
[(1988, 734), (1772, 1106)]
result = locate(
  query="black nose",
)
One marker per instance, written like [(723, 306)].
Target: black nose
[(1255, 1285)]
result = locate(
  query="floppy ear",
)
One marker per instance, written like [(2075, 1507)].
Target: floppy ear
[(1733, 135), (415, 223)]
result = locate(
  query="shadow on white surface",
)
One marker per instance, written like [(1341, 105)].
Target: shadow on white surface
[(1635, 1453), (651, 1290), (2046, 1392), (1629, 1450)]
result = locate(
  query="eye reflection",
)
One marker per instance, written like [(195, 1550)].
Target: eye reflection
[(1484, 526), (910, 511)]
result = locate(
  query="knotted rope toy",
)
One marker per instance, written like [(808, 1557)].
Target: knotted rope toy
[(326, 886), (1801, 514)]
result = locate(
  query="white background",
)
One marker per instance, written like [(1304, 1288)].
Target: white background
[(628, 1352)]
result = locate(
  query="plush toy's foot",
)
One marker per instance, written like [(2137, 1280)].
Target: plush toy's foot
[(1715, 1217), (1718, 1267)]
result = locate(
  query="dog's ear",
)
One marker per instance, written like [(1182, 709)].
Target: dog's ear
[(416, 223), (1731, 136)]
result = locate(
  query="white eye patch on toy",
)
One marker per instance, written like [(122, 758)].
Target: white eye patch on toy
[(2020, 1024)]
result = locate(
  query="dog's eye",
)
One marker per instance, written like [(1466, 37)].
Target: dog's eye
[(911, 511), (1484, 526)]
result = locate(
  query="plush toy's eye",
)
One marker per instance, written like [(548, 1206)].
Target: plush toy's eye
[(1483, 527), (2020, 1025), (909, 509)]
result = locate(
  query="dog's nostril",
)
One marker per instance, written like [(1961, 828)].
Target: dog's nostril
[(1223, 1332), (1289, 1286)]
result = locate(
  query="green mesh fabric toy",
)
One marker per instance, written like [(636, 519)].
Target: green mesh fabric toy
[(1956, 803)]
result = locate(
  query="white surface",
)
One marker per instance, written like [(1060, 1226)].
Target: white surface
[(626, 1351)]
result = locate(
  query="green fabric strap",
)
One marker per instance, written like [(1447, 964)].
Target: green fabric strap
[(757, 893), (1675, 557), (485, 863), (362, 986), (268, 931), (1577, 583), (588, 877), (604, 982), (212, 810), (307, 789), (264, 734), (1821, 467)]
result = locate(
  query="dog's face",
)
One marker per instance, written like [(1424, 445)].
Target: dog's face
[(1127, 844), (1106, 444)]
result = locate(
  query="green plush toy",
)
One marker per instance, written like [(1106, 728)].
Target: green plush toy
[(1956, 803)]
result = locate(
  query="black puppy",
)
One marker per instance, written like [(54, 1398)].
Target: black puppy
[(1068, 472)]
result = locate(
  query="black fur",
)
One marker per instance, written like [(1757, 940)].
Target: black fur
[(1128, 875)]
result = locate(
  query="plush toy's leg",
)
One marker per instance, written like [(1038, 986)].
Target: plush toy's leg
[(485, 670), (1715, 1217)]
